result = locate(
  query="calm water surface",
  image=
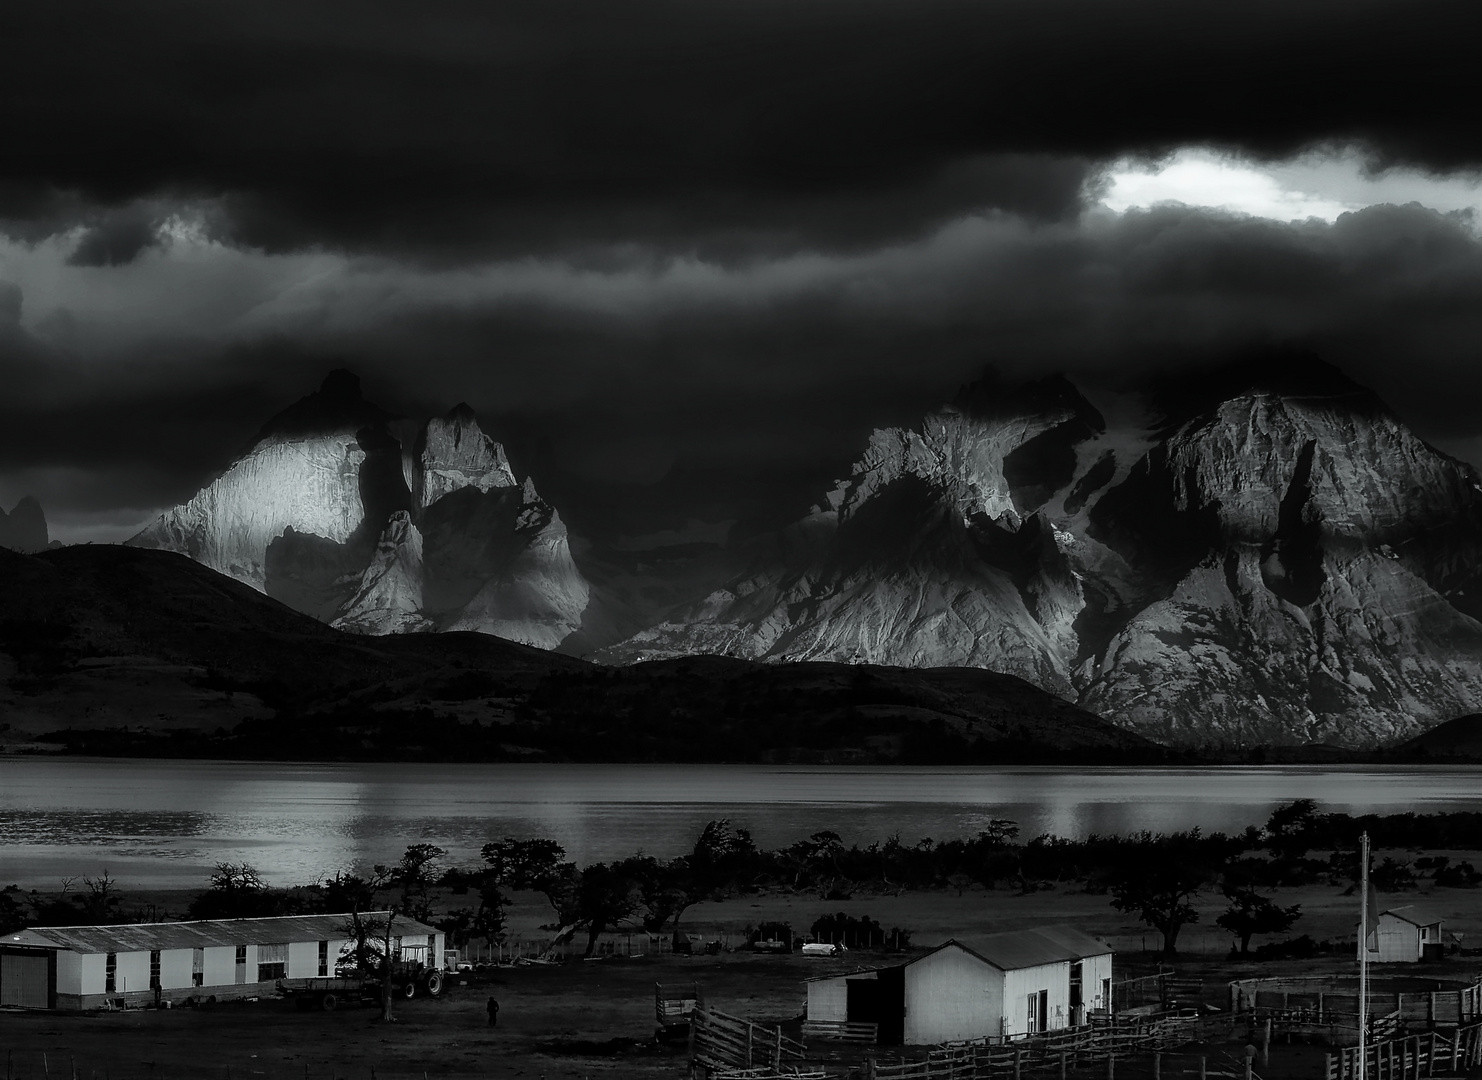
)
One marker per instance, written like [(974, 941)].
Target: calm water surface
[(163, 824)]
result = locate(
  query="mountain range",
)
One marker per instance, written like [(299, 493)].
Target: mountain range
[(1266, 555), (1262, 555)]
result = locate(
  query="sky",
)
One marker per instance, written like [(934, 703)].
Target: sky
[(682, 257)]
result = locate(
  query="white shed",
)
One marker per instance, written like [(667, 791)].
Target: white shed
[(1404, 935), (90, 967), (1002, 986)]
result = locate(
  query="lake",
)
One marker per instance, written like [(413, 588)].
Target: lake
[(164, 824)]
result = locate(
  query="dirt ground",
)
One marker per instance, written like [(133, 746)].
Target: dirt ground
[(586, 1020)]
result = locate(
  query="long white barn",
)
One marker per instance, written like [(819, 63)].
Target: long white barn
[(1001, 986), (92, 967)]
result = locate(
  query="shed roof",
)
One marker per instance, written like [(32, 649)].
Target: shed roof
[(142, 937), (1015, 949), (1010, 950), (1414, 915)]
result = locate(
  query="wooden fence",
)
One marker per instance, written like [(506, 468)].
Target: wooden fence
[(719, 1042), (985, 1063), (1411, 1058), (1136, 1045), (1444, 1008)]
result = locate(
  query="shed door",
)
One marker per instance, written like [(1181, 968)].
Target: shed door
[(25, 980), (863, 1001)]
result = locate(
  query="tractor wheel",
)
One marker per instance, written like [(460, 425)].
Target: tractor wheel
[(409, 990), (328, 1002), (434, 984)]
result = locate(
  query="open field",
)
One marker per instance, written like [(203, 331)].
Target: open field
[(590, 1019)]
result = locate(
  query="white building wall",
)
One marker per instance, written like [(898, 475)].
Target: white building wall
[(828, 999), (69, 972), (219, 966), (176, 968), (1399, 941), (303, 959), (950, 995), (93, 970), (132, 972), (1018, 985), (1096, 971)]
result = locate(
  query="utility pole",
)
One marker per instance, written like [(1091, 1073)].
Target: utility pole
[(1363, 994)]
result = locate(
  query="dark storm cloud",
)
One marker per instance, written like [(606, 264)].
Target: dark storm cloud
[(475, 128), (753, 382)]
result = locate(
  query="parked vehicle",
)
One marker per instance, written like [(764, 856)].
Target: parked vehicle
[(408, 979)]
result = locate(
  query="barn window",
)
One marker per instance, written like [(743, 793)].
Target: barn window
[(324, 958), (272, 962), (154, 970), (110, 973)]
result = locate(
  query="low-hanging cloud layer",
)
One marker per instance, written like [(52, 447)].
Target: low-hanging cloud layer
[(707, 244)]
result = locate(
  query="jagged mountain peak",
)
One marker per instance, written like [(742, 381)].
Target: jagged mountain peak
[(383, 526), (338, 405), (1285, 373), (994, 396)]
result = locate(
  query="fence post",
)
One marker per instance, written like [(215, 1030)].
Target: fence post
[(1157, 1065), (1266, 1044), (1018, 1059), (748, 1043), (1111, 1065), (777, 1054), (1062, 1065)]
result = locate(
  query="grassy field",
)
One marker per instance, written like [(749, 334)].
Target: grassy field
[(591, 1019)]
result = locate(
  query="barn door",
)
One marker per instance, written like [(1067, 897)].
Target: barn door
[(862, 1001), (25, 980)]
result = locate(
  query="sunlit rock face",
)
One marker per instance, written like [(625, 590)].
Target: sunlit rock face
[(377, 525), (24, 528), (1268, 557)]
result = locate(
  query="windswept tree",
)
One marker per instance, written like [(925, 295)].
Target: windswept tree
[(1250, 913), (605, 896), (1157, 878), (1290, 829), (12, 910), (415, 874), (722, 860), (665, 889), (368, 947), (537, 864), (237, 891)]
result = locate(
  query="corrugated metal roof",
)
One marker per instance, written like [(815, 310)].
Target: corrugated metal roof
[(1015, 949), (1414, 915), (146, 937)]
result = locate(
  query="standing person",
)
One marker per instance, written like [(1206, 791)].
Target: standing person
[(493, 1009)]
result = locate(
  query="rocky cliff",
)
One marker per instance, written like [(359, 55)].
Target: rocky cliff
[(24, 528), (1264, 555), (381, 525)]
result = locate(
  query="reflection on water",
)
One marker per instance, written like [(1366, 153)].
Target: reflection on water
[(155, 824)]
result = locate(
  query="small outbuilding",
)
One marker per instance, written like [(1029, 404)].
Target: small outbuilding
[(1404, 935), (92, 967), (1002, 986)]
